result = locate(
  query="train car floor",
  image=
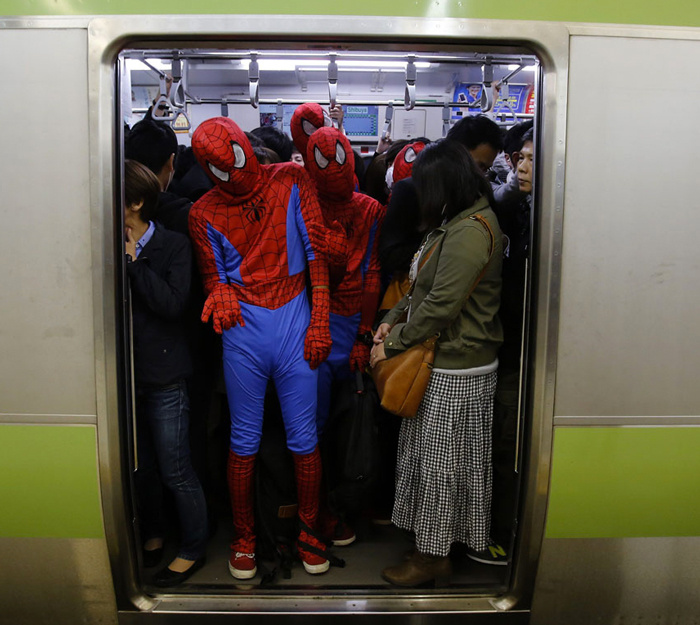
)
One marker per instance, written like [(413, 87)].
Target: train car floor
[(376, 547)]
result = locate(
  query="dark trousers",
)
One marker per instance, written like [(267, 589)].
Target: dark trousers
[(505, 436), (164, 460)]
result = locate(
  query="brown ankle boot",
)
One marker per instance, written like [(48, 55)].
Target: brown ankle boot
[(420, 569)]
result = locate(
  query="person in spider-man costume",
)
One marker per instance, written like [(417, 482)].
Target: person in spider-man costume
[(403, 163), (306, 120), (330, 162), (255, 234)]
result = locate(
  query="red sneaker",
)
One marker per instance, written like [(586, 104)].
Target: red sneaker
[(310, 550), (242, 565), (343, 535), (336, 531)]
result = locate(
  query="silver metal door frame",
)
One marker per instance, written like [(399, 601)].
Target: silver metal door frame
[(550, 41)]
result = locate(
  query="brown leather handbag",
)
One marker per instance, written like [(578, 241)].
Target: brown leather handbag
[(401, 381)]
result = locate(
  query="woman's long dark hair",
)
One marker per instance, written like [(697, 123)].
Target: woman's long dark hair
[(447, 181)]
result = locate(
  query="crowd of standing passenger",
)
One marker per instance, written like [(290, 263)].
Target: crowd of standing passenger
[(311, 269)]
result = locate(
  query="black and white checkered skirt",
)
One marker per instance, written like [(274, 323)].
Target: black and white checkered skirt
[(444, 472)]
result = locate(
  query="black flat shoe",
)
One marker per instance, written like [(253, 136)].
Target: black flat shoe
[(165, 578), (152, 557)]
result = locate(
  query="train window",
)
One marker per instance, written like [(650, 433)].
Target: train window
[(387, 94)]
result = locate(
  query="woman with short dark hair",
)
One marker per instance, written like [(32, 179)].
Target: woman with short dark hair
[(159, 266), (443, 477)]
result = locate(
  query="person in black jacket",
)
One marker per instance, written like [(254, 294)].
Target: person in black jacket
[(154, 144), (159, 266)]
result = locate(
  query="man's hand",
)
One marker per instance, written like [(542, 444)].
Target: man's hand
[(381, 333), (384, 144), (336, 114), (130, 245)]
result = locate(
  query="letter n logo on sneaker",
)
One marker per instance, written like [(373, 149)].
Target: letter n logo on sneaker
[(497, 550)]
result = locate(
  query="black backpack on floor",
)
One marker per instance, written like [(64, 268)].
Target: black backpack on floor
[(351, 445), (276, 518), (276, 507)]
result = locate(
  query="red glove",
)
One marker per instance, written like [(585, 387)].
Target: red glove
[(330, 242), (317, 345), (337, 241), (318, 337), (223, 304), (359, 356)]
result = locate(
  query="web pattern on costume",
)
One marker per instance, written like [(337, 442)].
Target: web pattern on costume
[(331, 166)]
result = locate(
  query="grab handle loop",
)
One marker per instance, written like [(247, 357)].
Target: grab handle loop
[(177, 90), (445, 120), (505, 91), (505, 94), (182, 113), (224, 108), (163, 99), (279, 116), (486, 96), (486, 101), (388, 116), (333, 84), (409, 98), (254, 80)]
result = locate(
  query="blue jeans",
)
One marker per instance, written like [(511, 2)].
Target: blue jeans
[(164, 460)]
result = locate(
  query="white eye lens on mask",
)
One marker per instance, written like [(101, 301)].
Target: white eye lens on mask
[(308, 127), (321, 160), (339, 153), (239, 155), (389, 177)]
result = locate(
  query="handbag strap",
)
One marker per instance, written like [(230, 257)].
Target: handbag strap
[(482, 220)]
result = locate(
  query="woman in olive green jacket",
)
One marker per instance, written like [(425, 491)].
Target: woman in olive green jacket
[(443, 478)]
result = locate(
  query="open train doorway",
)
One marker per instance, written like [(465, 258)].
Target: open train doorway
[(387, 94)]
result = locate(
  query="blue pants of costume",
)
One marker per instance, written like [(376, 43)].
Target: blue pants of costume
[(270, 347), (337, 366)]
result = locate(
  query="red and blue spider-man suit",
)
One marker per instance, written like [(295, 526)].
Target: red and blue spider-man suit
[(255, 234), (354, 301)]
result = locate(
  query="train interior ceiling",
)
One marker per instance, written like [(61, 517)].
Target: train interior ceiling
[(428, 91), (404, 92)]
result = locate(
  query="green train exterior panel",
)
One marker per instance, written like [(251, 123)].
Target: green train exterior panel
[(614, 482), (48, 482), (670, 13)]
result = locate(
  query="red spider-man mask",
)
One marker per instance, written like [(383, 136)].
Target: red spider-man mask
[(306, 120), (225, 153), (403, 163), (331, 164)]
